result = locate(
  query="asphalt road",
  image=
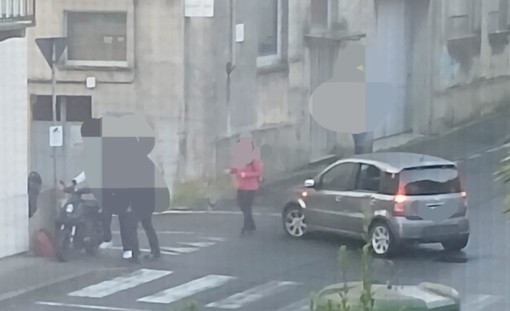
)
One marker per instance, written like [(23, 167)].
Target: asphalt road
[(206, 261)]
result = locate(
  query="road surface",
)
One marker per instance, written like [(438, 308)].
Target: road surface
[(205, 260)]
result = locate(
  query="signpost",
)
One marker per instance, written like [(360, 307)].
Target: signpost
[(52, 50)]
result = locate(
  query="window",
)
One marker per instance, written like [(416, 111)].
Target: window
[(495, 17), (340, 178), (389, 183), (320, 14), (269, 32), (42, 108), (431, 181), (369, 178), (77, 108), (463, 18), (97, 37)]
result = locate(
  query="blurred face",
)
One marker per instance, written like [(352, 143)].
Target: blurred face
[(244, 152)]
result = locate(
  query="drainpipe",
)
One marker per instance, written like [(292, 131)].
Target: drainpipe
[(231, 64)]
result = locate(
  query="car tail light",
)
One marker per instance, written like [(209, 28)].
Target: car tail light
[(304, 194), (464, 201), (399, 202)]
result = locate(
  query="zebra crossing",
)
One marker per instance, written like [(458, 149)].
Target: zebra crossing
[(200, 287), (180, 247)]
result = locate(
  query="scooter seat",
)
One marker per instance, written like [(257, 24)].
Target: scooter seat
[(90, 203)]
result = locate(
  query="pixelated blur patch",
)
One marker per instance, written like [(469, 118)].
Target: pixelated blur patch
[(357, 98), (115, 156), (245, 151)]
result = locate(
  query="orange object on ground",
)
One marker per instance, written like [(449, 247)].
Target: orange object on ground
[(43, 245)]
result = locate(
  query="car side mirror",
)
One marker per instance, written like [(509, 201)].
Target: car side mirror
[(309, 183)]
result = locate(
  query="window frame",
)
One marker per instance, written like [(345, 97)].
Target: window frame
[(274, 59), (95, 63)]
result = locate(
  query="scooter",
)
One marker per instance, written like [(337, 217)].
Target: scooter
[(78, 224)]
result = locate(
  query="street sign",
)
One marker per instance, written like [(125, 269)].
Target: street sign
[(56, 136), (199, 8), (46, 46)]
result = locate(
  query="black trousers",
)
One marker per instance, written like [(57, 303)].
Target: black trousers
[(245, 201), (133, 219)]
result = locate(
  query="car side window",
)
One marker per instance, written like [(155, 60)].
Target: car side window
[(340, 178), (369, 178)]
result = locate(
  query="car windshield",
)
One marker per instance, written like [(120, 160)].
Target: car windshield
[(430, 181)]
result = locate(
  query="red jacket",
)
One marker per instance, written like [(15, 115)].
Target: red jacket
[(248, 177)]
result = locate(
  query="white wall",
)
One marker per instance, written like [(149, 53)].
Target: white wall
[(13, 142)]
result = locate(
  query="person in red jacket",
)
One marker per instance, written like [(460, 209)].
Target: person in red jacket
[(247, 182)]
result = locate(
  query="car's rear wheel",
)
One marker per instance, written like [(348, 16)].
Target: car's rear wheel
[(294, 222), (382, 240), (456, 245)]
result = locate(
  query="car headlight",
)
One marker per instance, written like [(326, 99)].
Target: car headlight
[(69, 208)]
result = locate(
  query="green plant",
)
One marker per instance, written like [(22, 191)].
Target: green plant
[(503, 175), (192, 306), (366, 299), (342, 258)]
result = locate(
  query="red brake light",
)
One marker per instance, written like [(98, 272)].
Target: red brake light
[(400, 199)]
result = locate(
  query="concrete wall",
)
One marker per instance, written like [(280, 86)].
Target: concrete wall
[(13, 139)]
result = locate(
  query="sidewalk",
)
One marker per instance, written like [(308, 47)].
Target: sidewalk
[(22, 274), (457, 144)]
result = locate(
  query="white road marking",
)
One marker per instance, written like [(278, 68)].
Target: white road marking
[(180, 250), (480, 302), (302, 305), (191, 212), (474, 156), (188, 289), (79, 306), (164, 232), (144, 250), (198, 244), (431, 300), (494, 149), (239, 300), (215, 239), (121, 283)]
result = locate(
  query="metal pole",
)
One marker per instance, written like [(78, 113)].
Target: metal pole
[(54, 106)]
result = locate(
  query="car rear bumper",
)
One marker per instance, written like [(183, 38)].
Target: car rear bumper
[(429, 231)]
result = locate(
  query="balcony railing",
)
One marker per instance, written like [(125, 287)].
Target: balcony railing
[(17, 13)]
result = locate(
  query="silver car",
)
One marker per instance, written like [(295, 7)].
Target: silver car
[(404, 198)]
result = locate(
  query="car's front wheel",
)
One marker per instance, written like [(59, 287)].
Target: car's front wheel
[(456, 245), (294, 222), (382, 240)]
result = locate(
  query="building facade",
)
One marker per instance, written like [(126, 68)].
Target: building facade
[(201, 76), (15, 17), (447, 59)]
